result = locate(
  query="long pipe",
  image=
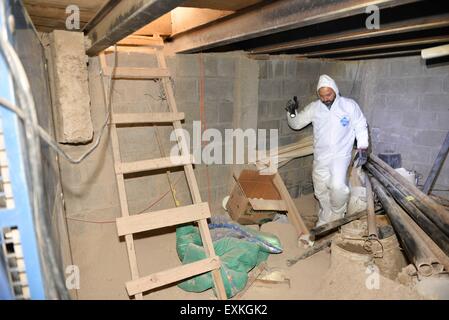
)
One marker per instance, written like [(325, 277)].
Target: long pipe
[(371, 220), (439, 160), (416, 249), (422, 220), (434, 211)]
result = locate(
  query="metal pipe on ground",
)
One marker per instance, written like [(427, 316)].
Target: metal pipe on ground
[(371, 219), (415, 248), (437, 235), (434, 211), (439, 160)]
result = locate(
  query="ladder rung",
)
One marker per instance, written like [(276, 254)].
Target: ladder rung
[(163, 218), (137, 73), (155, 117), (152, 164), (131, 49), (163, 278)]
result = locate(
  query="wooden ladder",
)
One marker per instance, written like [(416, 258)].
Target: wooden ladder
[(197, 212)]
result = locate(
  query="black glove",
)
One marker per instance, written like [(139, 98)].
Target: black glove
[(292, 106), (361, 157)]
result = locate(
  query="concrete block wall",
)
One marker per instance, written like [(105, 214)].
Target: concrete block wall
[(281, 78), (407, 105)]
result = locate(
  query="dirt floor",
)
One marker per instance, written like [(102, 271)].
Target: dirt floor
[(317, 277)]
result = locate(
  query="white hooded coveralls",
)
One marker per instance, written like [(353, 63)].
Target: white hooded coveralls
[(334, 131)]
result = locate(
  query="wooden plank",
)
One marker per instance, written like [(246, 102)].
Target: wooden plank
[(292, 213), (131, 49), (263, 204), (163, 218), (121, 187), (151, 164), (191, 180), (155, 117), (137, 73), (166, 277)]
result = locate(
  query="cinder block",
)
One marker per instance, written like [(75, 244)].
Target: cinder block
[(269, 124), (277, 109), (290, 88), (290, 69), (430, 138), (446, 84), (190, 109), (270, 89), (187, 65), (210, 65), (186, 89), (225, 111), (397, 134), (386, 119), (415, 153), (278, 66), (382, 147), (390, 86), (285, 129), (435, 102), (404, 67), (263, 69), (226, 67), (308, 69), (219, 89), (424, 85), (442, 122), (404, 102), (420, 119)]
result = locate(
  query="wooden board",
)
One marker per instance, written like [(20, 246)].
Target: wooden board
[(139, 118), (263, 204), (163, 218), (172, 275), (152, 164)]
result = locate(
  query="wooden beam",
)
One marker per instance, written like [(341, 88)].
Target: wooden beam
[(274, 17), (387, 29), (163, 218), (137, 73), (293, 214), (377, 46), (152, 164), (154, 117), (264, 204), (125, 18)]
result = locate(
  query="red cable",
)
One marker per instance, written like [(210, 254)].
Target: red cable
[(203, 117)]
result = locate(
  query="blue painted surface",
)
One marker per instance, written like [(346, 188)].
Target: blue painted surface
[(21, 215)]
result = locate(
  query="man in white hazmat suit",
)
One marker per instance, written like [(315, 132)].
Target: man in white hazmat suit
[(336, 121)]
